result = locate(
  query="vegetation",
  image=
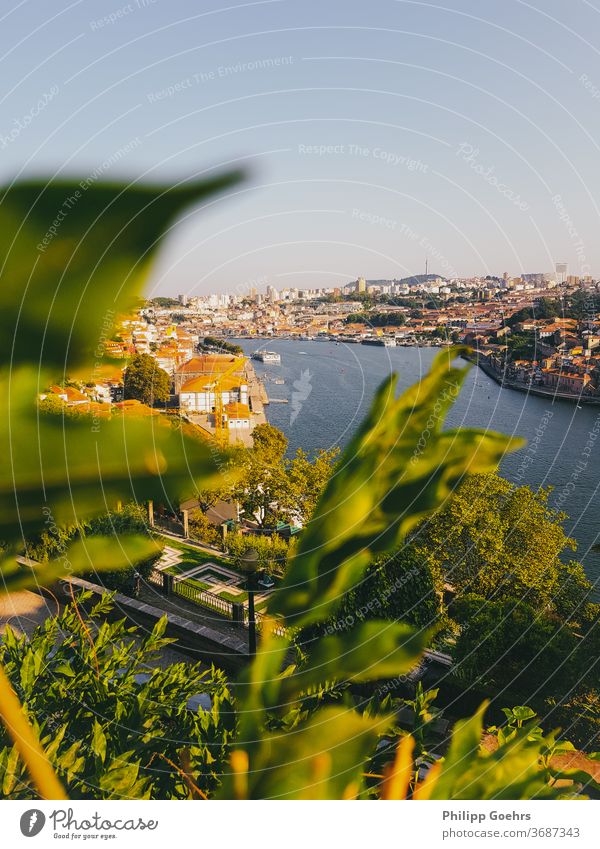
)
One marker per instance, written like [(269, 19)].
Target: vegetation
[(377, 319), (505, 541), (274, 489), (112, 726), (400, 467), (544, 308), (222, 345), (200, 528), (163, 302), (145, 381), (129, 520), (522, 346), (401, 587), (273, 551)]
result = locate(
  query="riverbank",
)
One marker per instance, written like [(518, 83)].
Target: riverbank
[(528, 388), (330, 388)]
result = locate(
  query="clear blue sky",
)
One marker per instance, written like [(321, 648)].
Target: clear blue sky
[(391, 90)]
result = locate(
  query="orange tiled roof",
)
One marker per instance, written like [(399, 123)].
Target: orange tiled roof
[(71, 394), (210, 364), (235, 410), (205, 383)]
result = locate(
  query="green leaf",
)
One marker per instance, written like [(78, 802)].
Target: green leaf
[(374, 650), (65, 669), (399, 467), (12, 772), (98, 741), (73, 255), (323, 759), (60, 471)]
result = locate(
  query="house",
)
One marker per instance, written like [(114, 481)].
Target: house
[(565, 382), (71, 397), (238, 415), (199, 395), (207, 366)]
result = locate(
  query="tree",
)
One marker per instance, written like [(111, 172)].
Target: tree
[(521, 346), (164, 302), (222, 345), (273, 551), (544, 308), (261, 483), (200, 528), (130, 519), (400, 586), (114, 724), (273, 489), (305, 481), (145, 381), (512, 645), (269, 443), (504, 541)]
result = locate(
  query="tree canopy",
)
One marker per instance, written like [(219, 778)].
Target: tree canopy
[(145, 381), (504, 541), (276, 489)]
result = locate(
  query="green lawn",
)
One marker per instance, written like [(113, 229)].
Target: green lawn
[(195, 557)]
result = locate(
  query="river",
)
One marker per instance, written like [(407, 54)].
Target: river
[(332, 386)]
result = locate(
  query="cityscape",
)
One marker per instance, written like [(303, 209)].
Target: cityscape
[(299, 477), (536, 332)]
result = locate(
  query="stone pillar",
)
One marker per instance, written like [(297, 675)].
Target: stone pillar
[(186, 526), (167, 584), (151, 514)]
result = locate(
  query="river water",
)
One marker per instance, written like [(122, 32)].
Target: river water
[(329, 388)]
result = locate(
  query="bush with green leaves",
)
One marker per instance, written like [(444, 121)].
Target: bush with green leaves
[(203, 530), (131, 518), (273, 551), (113, 723)]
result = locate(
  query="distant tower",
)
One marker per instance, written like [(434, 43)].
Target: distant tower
[(561, 271), (361, 285)]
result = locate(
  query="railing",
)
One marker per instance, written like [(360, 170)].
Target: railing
[(280, 630), (155, 577), (203, 598)]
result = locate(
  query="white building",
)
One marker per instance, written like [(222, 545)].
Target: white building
[(199, 395), (238, 416)]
